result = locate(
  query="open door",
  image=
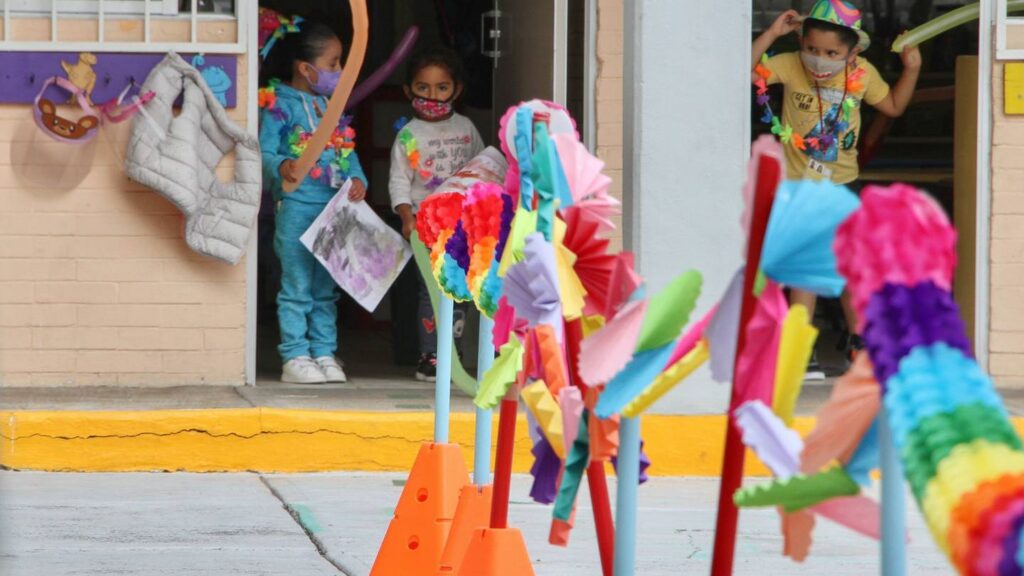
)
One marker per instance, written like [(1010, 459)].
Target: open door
[(528, 41)]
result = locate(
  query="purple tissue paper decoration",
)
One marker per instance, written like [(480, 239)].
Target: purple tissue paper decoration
[(545, 469), (900, 318), (508, 211), (645, 463), (458, 246)]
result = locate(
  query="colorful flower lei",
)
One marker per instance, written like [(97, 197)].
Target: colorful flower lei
[(342, 141), (785, 131), (412, 154)]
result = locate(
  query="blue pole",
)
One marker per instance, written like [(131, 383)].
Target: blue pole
[(482, 442), (626, 505), (894, 521), (443, 386)]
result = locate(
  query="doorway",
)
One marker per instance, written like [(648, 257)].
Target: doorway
[(932, 146), (384, 343)]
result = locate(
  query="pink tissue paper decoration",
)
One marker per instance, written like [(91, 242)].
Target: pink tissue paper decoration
[(588, 184), (755, 371), (570, 399), (690, 339), (606, 352), (871, 249)]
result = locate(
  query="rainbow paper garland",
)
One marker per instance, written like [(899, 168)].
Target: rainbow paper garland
[(962, 457)]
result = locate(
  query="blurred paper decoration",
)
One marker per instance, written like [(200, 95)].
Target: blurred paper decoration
[(799, 491), (674, 374), (801, 231), (606, 352), (641, 371), (775, 444), (532, 285), (755, 378), (723, 329), (362, 253), (502, 374), (761, 148), (795, 348), (587, 182), (593, 264), (548, 413), (844, 419)]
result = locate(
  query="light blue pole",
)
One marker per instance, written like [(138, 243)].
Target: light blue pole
[(894, 521), (482, 442), (625, 507), (443, 386)]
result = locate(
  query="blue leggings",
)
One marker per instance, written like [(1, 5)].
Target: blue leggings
[(307, 305)]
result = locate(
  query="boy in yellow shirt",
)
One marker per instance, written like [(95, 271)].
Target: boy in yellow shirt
[(824, 86)]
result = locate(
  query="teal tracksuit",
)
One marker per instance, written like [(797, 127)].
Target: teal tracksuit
[(307, 309)]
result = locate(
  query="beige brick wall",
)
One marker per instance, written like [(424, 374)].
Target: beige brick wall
[(1007, 249), (97, 285), (610, 18)]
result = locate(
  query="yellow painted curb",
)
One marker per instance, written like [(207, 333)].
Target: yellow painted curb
[(284, 440)]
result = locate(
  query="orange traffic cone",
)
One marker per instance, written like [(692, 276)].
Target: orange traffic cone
[(474, 512), (419, 531), (496, 552)]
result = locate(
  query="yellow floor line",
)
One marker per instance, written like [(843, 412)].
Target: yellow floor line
[(285, 440)]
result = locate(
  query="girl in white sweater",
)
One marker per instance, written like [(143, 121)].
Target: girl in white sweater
[(429, 149)]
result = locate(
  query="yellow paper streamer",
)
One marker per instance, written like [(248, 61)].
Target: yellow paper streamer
[(959, 473), (548, 413), (592, 324), (795, 347), (668, 379), (501, 375), (570, 287)]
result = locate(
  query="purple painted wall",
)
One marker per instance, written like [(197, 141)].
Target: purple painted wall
[(23, 73)]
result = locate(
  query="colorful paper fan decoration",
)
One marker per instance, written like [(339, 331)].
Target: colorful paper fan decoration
[(593, 264), (960, 453), (755, 378), (648, 355), (588, 184), (532, 285), (723, 329), (801, 230)]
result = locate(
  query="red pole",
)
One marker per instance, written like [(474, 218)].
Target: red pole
[(503, 463), (768, 170), (596, 475)]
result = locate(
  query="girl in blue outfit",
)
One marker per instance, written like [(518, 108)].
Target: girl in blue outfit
[(310, 60)]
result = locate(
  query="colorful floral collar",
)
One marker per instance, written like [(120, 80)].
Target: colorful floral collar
[(343, 139), (785, 131), (412, 155)]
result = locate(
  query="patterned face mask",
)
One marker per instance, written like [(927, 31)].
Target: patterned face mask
[(432, 110), (822, 68)]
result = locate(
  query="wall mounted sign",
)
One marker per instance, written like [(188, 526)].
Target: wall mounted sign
[(102, 75)]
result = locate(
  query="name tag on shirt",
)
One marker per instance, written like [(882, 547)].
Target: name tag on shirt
[(819, 168)]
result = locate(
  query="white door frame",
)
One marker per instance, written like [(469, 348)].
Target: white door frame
[(983, 191), (252, 60)]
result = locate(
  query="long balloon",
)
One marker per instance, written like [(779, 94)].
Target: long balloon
[(398, 55), (944, 23), (336, 105)]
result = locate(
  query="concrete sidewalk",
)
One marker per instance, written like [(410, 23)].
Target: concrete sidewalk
[(324, 524)]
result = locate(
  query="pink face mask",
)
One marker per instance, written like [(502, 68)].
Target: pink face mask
[(63, 129), (432, 110)]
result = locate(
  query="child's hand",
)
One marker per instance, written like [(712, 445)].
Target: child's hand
[(911, 57), (408, 225), (287, 171), (788, 21), (357, 191)]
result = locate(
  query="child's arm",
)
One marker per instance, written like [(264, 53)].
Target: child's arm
[(788, 21), (359, 183), (400, 187), (271, 127), (895, 104)]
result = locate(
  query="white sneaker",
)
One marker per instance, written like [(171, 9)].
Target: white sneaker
[(331, 369), (302, 370)]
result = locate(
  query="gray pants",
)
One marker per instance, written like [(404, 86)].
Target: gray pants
[(427, 323)]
